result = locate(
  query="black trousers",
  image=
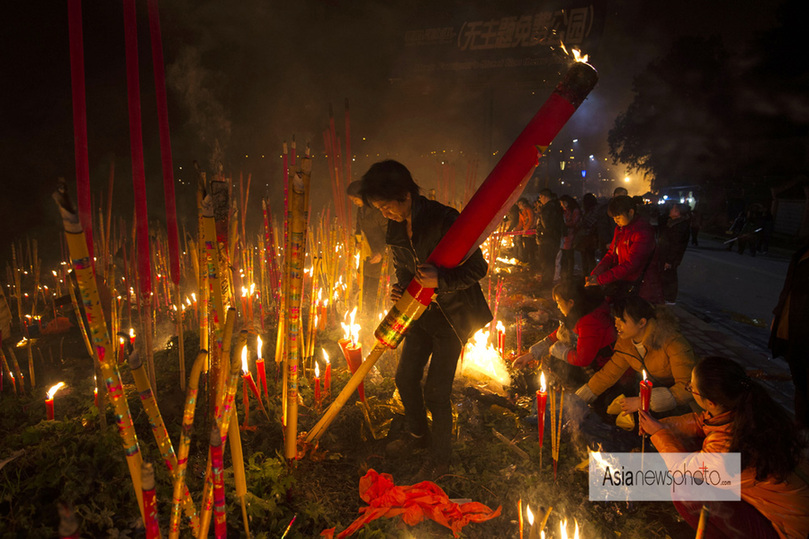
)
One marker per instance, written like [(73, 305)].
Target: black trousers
[(668, 279), (430, 339), (547, 260)]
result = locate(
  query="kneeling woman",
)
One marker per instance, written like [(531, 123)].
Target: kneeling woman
[(648, 340), (586, 334), (741, 417)]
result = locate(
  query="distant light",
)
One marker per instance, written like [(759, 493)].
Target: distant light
[(592, 158), (575, 140), (626, 179)]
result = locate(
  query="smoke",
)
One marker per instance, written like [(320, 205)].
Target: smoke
[(207, 117)]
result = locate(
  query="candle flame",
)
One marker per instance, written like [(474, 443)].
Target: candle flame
[(317, 370), (644, 375), (131, 333), (194, 296), (542, 385), (52, 391), (351, 331), (529, 515), (325, 356), (244, 359), (319, 294), (244, 292), (258, 346), (188, 301), (500, 326), (252, 288)]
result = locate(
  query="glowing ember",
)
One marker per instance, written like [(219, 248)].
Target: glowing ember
[(244, 359), (480, 359), (52, 391)]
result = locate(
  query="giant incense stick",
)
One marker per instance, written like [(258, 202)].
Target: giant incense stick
[(298, 199), (105, 353), (161, 435), (80, 120), (477, 220)]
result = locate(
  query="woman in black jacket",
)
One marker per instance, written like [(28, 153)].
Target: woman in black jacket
[(415, 226)]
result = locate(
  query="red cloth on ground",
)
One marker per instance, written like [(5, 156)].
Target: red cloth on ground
[(413, 503)]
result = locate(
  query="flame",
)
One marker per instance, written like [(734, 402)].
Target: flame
[(131, 333), (244, 292), (481, 358), (577, 55), (325, 356), (317, 370), (357, 260), (258, 346), (529, 515), (52, 391), (194, 296), (644, 375), (542, 386), (188, 300), (351, 331), (563, 529), (319, 294), (500, 327), (244, 359), (252, 288)]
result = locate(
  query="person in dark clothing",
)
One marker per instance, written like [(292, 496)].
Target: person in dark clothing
[(572, 219), (696, 224), (586, 239), (370, 231), (550, 226), (672, 243), (415, 227), (789, 337)]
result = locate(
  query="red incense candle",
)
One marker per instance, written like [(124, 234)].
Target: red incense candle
[(353, 355), (245, 400), (542, 400), (317, 384), (49, 401), (327, 374), (262, 371), (645, 395), (149, 501)]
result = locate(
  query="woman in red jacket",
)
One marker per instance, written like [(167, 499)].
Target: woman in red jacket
[(630, 261), (586, 334), (741, 417)]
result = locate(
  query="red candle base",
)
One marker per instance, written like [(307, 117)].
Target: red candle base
[(49, 408)]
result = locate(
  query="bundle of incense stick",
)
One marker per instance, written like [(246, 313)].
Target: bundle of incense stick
[(556, 427)]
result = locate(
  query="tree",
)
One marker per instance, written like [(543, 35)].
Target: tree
[(679, 129)]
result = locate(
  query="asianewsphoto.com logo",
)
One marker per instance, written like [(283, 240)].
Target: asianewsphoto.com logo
[(666, 476)]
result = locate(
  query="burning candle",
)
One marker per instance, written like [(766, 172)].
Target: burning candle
[(352, 350), (542, 400), (95, 390), (49, 401), (132, 336), (250, 301), (645, 395), (244, 302), (317, 384), (327, 374), (501, 338), (247, 379), (533, 532), (324, 309), (262, 372)]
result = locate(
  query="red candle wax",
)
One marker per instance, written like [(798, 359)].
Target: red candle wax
[(49, 408), (327, 379), (245, 399), (542, 400), (262, 375), (317, 391), (353, 355), (645, 395)]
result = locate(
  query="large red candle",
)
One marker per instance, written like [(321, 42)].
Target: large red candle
[(327, 374), (542, 400), (49, 401), (317, 385), (353, 354), (262, 371), (645, 395)]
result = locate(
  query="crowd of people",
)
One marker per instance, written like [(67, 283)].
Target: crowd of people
[(614, 327)]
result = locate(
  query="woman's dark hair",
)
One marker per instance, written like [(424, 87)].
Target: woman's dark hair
[(762, 431), (585, 299), (524, 201), (388, 180), (634, 306), (621, 205), (569, 201), (589, 202), (354, 189)]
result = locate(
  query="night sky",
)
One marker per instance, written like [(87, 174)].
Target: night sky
[(245, 76)]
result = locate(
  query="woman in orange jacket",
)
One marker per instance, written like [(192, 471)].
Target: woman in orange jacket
[(741, 417)]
